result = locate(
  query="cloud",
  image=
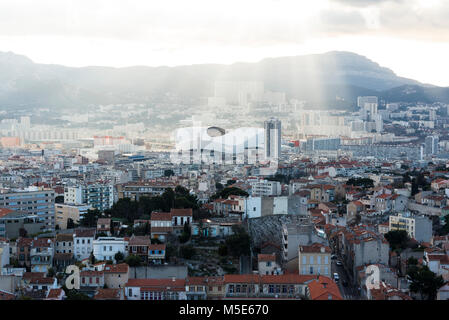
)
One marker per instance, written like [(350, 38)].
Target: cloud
[(365, 3)]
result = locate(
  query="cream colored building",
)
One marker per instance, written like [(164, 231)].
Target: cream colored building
[(314, 259), (64, 212), (116, 275), (400, 222)]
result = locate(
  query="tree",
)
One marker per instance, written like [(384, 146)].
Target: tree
[(425, 282), (51, 272), (364, 182), (226, 192), (90, 218), (185, 236), (397, 239), (219, 186), (239, 242), (187, 252), (445, 229), (70, 223), (133, 260), (170, 251), (119, 257), (223, 250), (92, 258)]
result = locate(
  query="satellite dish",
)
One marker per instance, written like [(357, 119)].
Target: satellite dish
[(215, 132)]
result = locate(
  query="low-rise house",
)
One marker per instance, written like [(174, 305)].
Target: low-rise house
[(41, 254), (39, 283), (161, 225), (90, 279), (323, 288), (286, 286), (83, 243), (196, 288), (138, 245), (215, 287), (314, 259), (267, 264), (156, 289), (156, 253), (116, 275), (64, 243), (56, 294), (6, 296), (353, 208), (108, 294), (213, 228), (104, 226), (23, 251), (105, 248), (180, 217)]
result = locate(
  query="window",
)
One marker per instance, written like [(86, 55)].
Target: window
[(311, 259), (311, 270), (326, 260), (304, 259), (318, 260)]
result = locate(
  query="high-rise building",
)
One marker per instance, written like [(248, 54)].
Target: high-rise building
[(322, 144), (272, 129), (431, 145), (361, 101), (99, 196)]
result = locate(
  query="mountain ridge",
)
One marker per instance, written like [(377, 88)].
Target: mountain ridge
[(331, 79)]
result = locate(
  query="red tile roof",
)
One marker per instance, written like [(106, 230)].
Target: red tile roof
[(181, 212), (161, 216), (55, 293), (266, 257), (116, 268), (107, 294), (324, 288)]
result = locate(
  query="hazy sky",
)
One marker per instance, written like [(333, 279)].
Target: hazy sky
[(409, 36)]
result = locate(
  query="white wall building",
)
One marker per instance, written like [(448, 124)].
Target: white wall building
[(105, 248)]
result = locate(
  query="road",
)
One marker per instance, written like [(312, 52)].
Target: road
[(349, 292)]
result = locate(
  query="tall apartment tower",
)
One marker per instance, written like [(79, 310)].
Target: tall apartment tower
[(431, 145), (272, 129)]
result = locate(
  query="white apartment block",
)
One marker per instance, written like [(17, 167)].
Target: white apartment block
[(83, 243), (265, 188), (98, 196), (105, 248)]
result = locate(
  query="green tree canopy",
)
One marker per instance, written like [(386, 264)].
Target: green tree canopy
[(226, 192), (238, 243), (397, 239), (133, 260), (425, 282)]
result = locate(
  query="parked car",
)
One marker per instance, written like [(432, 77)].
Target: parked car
[(339, 263), (334, 256), (345, 283)]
